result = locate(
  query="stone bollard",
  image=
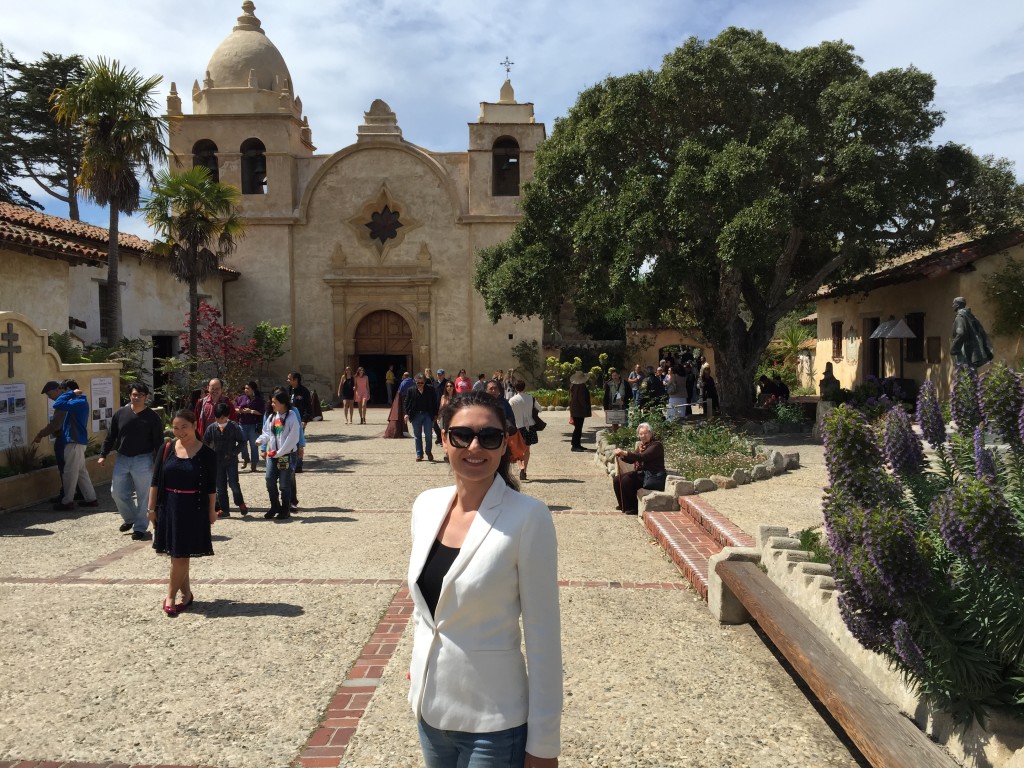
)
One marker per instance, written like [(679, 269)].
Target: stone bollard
[(704, 485), (761, 472), (722, 482), (657, 501), (722, 603), (741, 476)]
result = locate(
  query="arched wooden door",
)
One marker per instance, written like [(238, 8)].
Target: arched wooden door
[(382, 339)]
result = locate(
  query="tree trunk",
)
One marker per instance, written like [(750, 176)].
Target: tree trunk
[(735, 378), (193, 320), (112, 316)]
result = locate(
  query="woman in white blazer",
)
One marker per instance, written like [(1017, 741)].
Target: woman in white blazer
[(482, 556)]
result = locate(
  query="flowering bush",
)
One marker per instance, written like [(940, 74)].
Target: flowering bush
[(926, 551)]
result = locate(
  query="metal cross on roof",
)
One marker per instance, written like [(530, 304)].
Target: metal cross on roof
[(10, 337), (507, 65)]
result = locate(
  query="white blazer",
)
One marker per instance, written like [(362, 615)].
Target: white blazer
[(468, 672)]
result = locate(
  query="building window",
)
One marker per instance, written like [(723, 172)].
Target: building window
[(204, 153), (837, 340), (934, 346), (383, 225), (254, 167), (913, 352), (104, 301), (505, 174)]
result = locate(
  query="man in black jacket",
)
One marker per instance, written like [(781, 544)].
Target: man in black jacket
[(136, 433), (303, 401), (439, 386), (420, 412)]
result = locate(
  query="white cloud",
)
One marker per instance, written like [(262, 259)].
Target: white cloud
[(434, 62)]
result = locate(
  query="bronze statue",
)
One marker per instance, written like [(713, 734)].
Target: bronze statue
[(969, 343)]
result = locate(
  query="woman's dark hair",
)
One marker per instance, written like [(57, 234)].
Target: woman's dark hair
[(255, 388), (483, 400), (185, 414), (282, 397)]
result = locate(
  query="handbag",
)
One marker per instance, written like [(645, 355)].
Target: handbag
[(538, 423), (654, 481), (516, 446)]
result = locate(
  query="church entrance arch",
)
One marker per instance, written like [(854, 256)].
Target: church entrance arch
[(382, 338)]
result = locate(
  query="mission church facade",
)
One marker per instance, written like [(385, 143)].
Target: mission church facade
[(368, 254)]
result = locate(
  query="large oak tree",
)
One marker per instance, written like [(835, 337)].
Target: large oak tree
[(731, 184)]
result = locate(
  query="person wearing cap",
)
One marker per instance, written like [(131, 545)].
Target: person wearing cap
[(52, 390), (579, 407), (136, 433), (439, 386), (76, 437)]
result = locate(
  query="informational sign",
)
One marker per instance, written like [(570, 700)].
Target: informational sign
[(13, 416), (103, 403), (615, 417)]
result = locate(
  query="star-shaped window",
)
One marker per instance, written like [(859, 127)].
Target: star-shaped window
[(383, 225)]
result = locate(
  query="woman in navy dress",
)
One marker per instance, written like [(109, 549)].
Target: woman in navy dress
[(182, 501)]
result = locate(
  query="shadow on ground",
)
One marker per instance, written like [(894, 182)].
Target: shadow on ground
[(220, 609)]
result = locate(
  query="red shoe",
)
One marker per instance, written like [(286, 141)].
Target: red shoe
[(169, 608), (183, 605)]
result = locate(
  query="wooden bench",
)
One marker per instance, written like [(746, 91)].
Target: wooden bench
[(884, 735)]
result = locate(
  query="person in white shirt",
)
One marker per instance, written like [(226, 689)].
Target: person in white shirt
[(484, 556), (522, 408)]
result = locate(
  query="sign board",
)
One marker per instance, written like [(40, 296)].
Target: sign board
[(103, 403), (615, 417), (13, 416)]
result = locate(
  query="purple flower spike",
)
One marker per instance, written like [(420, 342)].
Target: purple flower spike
[(906, 647), (984, 461), (963, 401), (929, 414), (977, 524), (901, 446), (1001, 401)]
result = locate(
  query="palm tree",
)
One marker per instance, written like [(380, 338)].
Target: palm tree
[(114, 109), (196, 218)]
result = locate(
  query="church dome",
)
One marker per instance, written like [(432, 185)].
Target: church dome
[(247, 50)]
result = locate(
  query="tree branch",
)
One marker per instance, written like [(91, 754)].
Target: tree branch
[(784, 266), (46, 188)]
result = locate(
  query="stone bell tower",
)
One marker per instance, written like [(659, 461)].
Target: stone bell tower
[(502, 145), (246, 124)]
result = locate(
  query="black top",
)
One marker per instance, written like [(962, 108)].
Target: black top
[(134, 434), (303, 401), (420, 402), (439, 562), (348, 389)]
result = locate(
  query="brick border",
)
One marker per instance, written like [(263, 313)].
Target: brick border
[(329, 742), (691, 536)]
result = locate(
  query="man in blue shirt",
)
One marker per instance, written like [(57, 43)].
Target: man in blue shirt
[(56, 427), (76, 436)]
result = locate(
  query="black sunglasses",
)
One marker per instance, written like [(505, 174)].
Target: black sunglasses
[(489, 437)]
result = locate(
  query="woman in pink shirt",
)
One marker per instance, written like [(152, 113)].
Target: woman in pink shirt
[(362, 392)]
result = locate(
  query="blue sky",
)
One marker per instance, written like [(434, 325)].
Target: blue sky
[(433, 62)]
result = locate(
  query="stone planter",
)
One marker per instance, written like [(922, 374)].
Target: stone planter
[(33, 487)]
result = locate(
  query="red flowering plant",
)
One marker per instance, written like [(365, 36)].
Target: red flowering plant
[(222, 347), (925, 548)]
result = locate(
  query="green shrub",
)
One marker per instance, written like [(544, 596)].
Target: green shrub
[(697, 449)]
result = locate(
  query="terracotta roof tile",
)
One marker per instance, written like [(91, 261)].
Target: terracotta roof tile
[(74, 240), (953, 253)]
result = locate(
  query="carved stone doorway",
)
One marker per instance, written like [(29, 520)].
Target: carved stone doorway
[(382, 338)]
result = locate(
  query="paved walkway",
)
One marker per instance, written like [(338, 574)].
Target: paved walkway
[(297, 648)]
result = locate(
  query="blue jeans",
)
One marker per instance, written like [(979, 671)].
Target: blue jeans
[(227, 475), (457, 749), (129, 486), (280, 479), (250, 451), (421, 423)]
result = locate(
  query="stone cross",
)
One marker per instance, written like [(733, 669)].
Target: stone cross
[(10, 349), (507, 65)]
